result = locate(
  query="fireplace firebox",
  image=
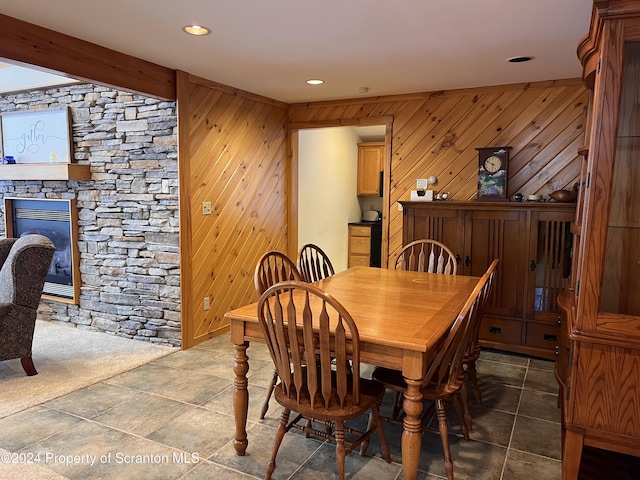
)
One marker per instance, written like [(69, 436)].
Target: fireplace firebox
[(57, 220)]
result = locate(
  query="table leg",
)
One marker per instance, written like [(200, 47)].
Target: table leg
[(241, 397), (411, 435)]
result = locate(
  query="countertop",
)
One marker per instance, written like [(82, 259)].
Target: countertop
[(364, 223)]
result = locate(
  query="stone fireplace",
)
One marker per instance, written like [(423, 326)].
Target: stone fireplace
[(127, 221)]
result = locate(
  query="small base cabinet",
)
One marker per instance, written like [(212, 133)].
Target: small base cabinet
[(365, 242), (533, 243)]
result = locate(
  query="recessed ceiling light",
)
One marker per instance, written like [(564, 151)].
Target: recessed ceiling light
[(521, 59), (315, 82), (196, 30)]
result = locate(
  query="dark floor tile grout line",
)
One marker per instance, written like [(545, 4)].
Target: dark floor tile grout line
[(536, 455), (290, 477), (523, 387), (540, 420), (489, 360), (515, 420), (171, 398), (48, 436)]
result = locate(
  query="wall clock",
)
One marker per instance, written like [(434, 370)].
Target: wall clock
[(493, 165)]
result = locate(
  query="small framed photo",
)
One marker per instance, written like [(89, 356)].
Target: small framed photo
[(37, 136)]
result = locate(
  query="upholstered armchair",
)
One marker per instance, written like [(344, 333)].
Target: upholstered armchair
[(25, 262)]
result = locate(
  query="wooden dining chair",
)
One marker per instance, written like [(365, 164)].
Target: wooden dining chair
[(314, 263), (473, 352), (305, 329), (426, 256), (273, 267), (445, 378)]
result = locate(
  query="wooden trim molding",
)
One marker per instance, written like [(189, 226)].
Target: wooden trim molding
[(184, 176), (405, 97), (37, 47)]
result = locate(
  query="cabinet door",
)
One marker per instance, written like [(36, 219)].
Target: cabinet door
[(369, 167), (493, 234), (549, 263), (620, 286), (446, 225)]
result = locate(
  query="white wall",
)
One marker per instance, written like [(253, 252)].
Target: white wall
[(327, 200), (15, 78)]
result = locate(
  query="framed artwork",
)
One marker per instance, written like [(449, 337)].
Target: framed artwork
[(493, 167), (37, 136)]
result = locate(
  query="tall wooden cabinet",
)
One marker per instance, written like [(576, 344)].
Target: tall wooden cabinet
[(533, 243), (598, 366)]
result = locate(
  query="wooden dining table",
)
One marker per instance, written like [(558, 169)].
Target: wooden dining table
[(402, 318)]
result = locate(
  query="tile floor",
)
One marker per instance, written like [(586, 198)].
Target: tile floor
[(173, 419)]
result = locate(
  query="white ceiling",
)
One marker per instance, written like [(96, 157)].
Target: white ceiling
[(272, 47)]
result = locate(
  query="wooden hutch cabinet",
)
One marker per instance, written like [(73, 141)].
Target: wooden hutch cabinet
[(532, 241), (598, 365)]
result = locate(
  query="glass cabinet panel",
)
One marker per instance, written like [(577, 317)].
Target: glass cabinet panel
[(620, 283), (550, 265)]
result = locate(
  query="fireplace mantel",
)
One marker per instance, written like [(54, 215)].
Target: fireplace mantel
[(45, 171)]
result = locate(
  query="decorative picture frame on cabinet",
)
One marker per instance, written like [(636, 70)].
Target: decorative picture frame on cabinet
[(493, 169)]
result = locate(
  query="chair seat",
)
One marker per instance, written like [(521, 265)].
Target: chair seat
[(394, 380), (370, 392)]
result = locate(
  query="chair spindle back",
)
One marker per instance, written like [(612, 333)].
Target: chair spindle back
[(314, 263), (305, 330), (272, 268), (428, 256)]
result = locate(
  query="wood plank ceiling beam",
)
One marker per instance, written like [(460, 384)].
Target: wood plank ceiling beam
[(37, 47)]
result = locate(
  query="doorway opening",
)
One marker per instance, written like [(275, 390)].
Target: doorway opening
[(324, 199)]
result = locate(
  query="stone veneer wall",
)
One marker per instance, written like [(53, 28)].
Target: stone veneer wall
[(128, 211)]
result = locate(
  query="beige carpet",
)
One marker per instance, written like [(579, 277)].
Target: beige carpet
[(68, 359)]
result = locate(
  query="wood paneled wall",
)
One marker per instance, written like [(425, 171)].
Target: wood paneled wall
[(232, 148), (437, 134)]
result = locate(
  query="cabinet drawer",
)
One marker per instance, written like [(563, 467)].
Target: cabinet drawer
[(542, 335), (358, 261), (501, 331), (360, 245), (356, 231)]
